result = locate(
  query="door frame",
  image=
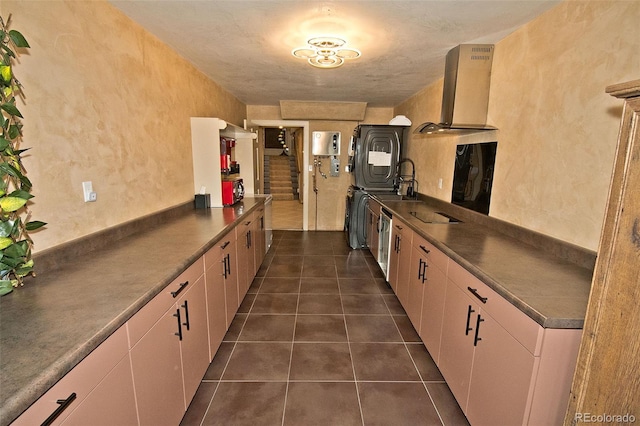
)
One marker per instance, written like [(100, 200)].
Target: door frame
[(305, 149)]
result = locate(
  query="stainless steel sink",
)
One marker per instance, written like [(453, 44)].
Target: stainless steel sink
[(434, 217)]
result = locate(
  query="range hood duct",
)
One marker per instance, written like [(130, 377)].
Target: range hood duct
[(465, 96)]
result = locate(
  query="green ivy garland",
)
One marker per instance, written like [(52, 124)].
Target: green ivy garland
[(15, 188)]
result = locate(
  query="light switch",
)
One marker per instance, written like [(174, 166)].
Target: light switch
[(89, 194)]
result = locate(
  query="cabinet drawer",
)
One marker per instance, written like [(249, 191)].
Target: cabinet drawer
[(144, 319), (519, 325), (221, 248), (431, 254), (243, 227), (81, 380), (403, 230)]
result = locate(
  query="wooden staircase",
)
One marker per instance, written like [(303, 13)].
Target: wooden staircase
[(281, 177)]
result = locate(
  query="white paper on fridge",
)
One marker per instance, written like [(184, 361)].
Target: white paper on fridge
[(379, 158)]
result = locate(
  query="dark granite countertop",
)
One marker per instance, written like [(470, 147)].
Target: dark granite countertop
[(552, 291), (51, 323)]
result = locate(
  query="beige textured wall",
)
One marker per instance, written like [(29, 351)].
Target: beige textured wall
[(332, 191), (106, 102), (558, 128)]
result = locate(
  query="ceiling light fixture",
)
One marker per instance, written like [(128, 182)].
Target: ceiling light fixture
[(326, 52)]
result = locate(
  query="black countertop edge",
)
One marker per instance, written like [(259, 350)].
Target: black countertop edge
[(18, 402)]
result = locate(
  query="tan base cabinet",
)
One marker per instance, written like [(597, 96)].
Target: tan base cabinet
[(501, 366), (435, 287), (171, 357), (147, 372), (99, 388), (400, 258), (220, 273), (246, 256), (232, 281)]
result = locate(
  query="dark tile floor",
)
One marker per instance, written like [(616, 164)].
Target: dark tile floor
[(320, 339)]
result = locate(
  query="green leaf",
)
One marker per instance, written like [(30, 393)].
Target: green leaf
[(11, 204), (5, 72), (15, 252), (5, 267), (14, 131), (4, 144), (5, 242), (5, 287), (11, 262), (7, 168), (21, 194), (18, 39), (33, 225), (24, 269), (9, 52), (11, 109), (6, 228)]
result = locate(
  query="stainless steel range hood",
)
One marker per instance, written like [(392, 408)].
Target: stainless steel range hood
[(465, 96)]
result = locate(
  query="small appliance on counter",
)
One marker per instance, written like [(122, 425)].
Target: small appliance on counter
[(232, 191), (226, 146)]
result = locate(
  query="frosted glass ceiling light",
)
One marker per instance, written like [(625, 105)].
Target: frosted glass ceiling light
[(326, 52)]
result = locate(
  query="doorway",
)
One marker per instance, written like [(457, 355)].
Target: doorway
[(283, 147)]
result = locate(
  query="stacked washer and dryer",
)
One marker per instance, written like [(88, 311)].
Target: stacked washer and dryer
[(374, 155)]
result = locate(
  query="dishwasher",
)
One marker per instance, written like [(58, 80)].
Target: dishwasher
[(384, 244)]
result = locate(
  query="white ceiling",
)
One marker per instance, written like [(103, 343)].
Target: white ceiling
[(245, 46)]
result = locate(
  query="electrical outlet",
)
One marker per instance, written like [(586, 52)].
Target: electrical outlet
[(440, 183)]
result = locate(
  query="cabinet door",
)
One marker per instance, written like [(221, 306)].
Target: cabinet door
[(433, 309), (194, 345), (394, 253), (233, 280), (413, 300), (251, 258), (501, 377), (243, 259), (157, 373), (369, 227), (78, 384), (375, 235), (216, 302), (112, 402), (259, 241), (456, 345), (404, 266)]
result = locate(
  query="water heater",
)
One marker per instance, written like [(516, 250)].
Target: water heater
[(325, 143)]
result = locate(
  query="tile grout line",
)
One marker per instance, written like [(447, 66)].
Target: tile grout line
[(293, 338), (353, 366), (235, 343), (414, 364)]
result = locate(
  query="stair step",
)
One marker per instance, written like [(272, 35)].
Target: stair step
[(282, 197)]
